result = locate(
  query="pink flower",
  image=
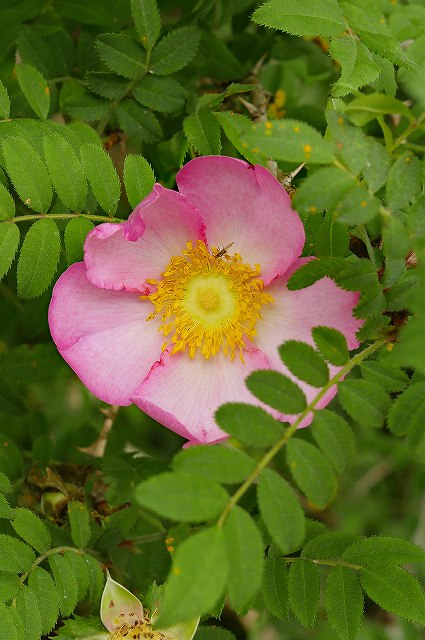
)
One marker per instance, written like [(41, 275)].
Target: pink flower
[(160, 316)]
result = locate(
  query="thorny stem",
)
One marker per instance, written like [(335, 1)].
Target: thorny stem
[(268, 457), (115, 103), (60, 216)]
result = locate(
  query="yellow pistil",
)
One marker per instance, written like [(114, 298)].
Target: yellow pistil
[(209, 302)]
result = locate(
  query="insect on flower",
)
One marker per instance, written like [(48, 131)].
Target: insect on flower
[(222, 252)]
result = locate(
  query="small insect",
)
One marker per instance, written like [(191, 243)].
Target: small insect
[(222, 252)]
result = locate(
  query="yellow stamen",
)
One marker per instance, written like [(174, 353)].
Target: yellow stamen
[(208, 303)]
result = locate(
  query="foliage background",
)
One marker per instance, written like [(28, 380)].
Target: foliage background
[(338, 85)]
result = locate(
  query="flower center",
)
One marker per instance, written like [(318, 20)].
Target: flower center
[(209, 302)]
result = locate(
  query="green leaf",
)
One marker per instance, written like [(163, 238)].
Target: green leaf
[(68, 177), (66, 584), (33, 187), (344, 602), (304, 591), (289, 140), (16, 556), (182, 496), (365, 108), (139, 178), (322, 190), (387, 47), (75, 234), (29, 613), (275, 587), (81, 572), (350, 143), (358, 206), (332, 238), (332, 344), (311, 471), (245, 557), (35, 89), (249, 424), (404, 181), (139, 122), (335, 438), (219, 463), (44, 589), (407, 413), (147, 21), (304, 362), (197, 578), (9, 242), (384, 550), (376, 169), (6, 510), (7, 204), (389, 378), (280, 511), (276, 390), (121, 54), (102, 176), (32, 529), (203, 132), (8, 629), (329, 546), (38, 259), (175, 50), (365, 402), (5, 484), (9, 586), (96, 581), (307, 18), (106, 85), (234, 126), (358, 67), (4, 102), (395, 590), (160, 94), (79, 520)]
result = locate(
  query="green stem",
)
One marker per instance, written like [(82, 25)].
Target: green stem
[(388, 137), (42, 558), (326, 562), (268, 457), (365, 237), (115, 103), (61, 216), (410, 129)]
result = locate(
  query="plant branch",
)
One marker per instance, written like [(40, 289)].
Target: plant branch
[(97, 449), (46, 554), (268, 457)]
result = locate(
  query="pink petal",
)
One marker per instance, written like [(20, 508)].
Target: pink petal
[(103, 335), (183, 394), (292, 316), (124, 256), (246, 205)]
